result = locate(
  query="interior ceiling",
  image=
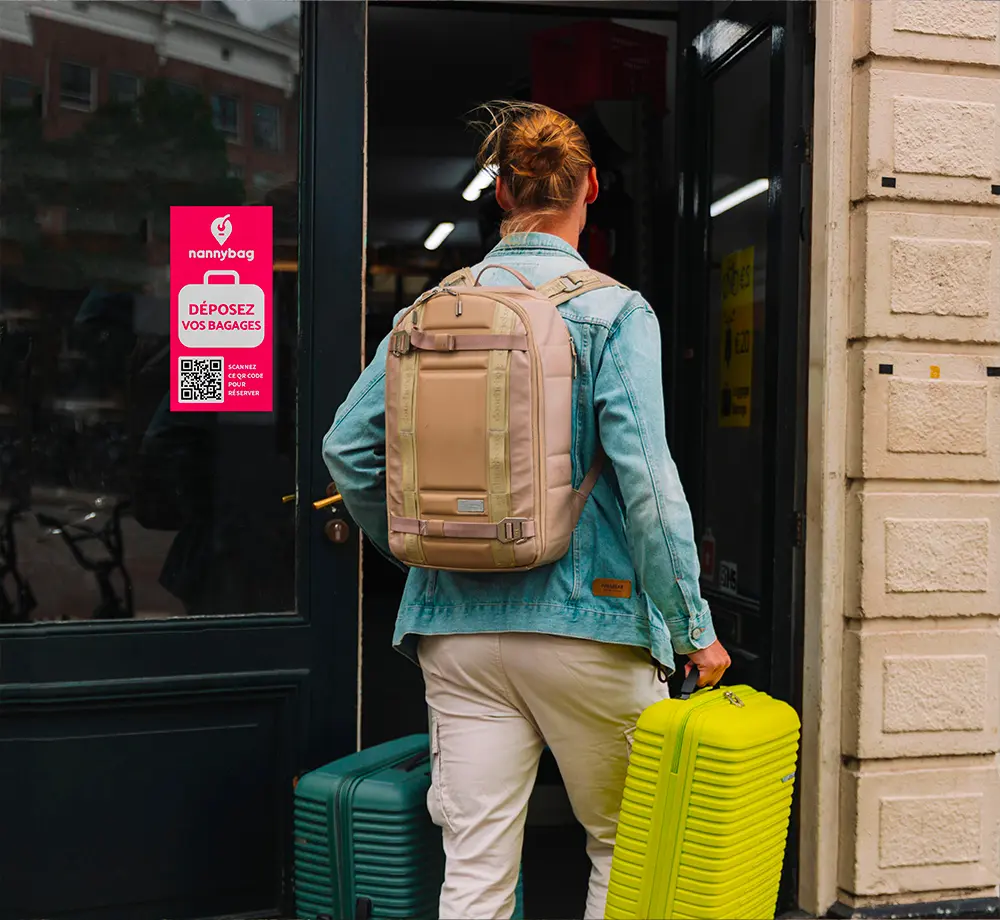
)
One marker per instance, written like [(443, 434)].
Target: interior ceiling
[(427, 70)]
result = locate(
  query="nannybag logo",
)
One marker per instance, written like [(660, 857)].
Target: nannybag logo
[(222, 228)]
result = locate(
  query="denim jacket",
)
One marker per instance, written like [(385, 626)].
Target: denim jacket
[(636, 525)]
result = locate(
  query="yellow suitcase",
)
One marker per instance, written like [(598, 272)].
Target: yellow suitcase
[(704, 816)]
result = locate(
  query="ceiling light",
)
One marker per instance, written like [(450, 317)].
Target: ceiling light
[(483, 180), (438, 234), (748, 191)]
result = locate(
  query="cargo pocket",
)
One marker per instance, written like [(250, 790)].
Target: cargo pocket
[(629, 737), (435, 795)]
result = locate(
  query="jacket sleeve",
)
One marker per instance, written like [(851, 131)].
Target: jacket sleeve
[(628, 398), (354, 453)]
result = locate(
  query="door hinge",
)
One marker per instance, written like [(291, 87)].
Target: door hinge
[(798, 529), (807, 152)]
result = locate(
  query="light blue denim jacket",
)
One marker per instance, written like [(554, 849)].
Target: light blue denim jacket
[(636, 525)]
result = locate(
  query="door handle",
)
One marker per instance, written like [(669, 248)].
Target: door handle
[(336, 530), (332, 498)]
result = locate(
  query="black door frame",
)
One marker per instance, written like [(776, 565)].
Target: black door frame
[(734, 31), (296, 671)]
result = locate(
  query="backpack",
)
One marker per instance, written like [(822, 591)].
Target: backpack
[(478, 425)]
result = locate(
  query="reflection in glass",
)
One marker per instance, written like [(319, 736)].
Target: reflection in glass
[(733, 477), (111, 506)]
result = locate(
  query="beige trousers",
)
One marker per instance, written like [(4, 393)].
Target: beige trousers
[(495, 701)]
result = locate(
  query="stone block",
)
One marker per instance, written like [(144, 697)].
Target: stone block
[(925, 554), (961, 31), (921, 693), (925, 276), (924, 416), (927, 136), (910, 826)]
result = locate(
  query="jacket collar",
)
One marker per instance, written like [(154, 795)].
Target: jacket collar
[(546, 242)]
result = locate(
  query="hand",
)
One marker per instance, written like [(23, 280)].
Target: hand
[(712, 663)]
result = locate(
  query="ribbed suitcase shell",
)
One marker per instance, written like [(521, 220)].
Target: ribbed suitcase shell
[(704, 816), (362, 830)]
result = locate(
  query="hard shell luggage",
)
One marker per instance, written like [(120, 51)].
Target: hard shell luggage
[(365, 845), (705, 812)]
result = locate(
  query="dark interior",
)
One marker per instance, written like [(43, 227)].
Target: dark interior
[(424, 80)]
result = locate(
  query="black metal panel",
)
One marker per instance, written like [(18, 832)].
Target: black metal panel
[(177, 792)]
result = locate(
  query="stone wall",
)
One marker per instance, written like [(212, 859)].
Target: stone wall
[(920, 692)]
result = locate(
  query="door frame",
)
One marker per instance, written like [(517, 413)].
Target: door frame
[(735, 30)]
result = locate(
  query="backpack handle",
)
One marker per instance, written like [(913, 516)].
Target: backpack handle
[(513, 271)]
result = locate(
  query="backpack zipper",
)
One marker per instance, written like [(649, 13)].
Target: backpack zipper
[(572, 348)]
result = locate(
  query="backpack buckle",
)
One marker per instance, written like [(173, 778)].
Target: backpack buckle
[(568, 284), (511, 530), (399, 344)]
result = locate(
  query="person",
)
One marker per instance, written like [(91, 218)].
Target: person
[(569, 654)]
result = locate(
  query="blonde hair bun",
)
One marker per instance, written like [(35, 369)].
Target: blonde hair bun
[(541, 156)]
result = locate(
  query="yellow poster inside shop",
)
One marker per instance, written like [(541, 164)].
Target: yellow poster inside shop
[(736, 339)]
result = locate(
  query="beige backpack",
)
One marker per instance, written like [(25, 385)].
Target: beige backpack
[(478, 425)]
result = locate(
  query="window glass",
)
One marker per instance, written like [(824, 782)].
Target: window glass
[(266, 127), (226, 116), (181, 90), (123, 88), (112, 507), (19, 95), (734, 411), (76, 86)]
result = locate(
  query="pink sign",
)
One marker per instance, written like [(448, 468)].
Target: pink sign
[(221, 277)]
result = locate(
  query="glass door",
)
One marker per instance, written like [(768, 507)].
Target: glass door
[(741, 352), (178, 617)]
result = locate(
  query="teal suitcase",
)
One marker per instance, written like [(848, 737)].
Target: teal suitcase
[(365, 846)]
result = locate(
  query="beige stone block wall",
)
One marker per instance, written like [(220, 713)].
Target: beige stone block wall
[(925, 275), (906, 363), (921, 826), (966, 31), (932, 690)]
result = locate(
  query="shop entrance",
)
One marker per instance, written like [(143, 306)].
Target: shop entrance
[(185, 625), (697, 115)]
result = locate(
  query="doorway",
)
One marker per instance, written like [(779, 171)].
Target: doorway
[(153, 723), (697, 118)]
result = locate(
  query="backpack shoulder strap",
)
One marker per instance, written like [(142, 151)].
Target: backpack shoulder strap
[(572, 284), (463, 277)]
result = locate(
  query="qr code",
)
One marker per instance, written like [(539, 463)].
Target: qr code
[(201, 380)]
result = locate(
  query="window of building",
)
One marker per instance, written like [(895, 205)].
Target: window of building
[(181, 90), (226, 116), (113, 508), (18, 94), (76, 86), (123, 88), (266, 127)]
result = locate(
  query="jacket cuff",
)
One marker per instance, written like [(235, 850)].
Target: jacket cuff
[(693, 635)]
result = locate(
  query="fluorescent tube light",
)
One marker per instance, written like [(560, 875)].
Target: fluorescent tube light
[(750, 190), (483, 180), (438, 235)]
